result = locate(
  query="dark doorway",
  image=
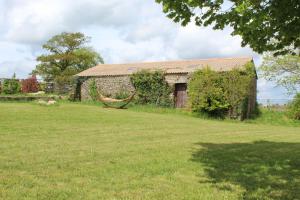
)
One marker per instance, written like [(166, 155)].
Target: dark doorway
[(180, 95)]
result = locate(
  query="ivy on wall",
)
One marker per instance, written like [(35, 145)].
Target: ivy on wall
[(221, 94), (152, 88), (93, 90)]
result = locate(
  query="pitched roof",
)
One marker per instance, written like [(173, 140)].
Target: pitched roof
[(169, 67)]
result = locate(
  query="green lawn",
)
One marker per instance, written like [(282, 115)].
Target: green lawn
[(76, 151)]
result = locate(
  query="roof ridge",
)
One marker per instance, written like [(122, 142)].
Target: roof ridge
[(183, 66), (187, 60)]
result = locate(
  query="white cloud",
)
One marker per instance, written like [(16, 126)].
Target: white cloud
[(144, 31), (15, 58), (195, 42), (38, 20)]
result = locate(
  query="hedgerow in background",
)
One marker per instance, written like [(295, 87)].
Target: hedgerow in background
[(151, 88), (93, 91), (11, 86), (30, 85), (294, 107), (220, 93)]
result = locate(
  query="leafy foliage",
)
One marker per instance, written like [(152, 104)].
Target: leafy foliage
[(30, 85), (237, 87), (220, 93), (151, 88), (93, 90), (206, 93), (294, 107), (284, 70), (42, 86), (67, 56), (265, 25), (11, 86)]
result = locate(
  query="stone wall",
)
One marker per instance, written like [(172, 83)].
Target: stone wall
[(108, 85), (112, 85), (177, 78)]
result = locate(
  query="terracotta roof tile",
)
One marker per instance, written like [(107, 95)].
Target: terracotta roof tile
[(185, 66)]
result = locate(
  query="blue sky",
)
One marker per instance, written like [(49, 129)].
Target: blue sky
[(121, 31)]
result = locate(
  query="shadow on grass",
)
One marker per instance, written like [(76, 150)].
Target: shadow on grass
[(264, 170)]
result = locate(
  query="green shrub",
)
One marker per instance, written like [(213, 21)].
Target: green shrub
[(294, 107), (42, 86), (237, 87), (11, 86), (151, 88), (206, 93), (220, 93), (93, 91), (71, 96)]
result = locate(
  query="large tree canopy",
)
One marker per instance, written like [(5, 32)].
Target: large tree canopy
[(67, 54), (264, 25)]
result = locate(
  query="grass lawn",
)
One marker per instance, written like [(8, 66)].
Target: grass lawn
[(77, 151)]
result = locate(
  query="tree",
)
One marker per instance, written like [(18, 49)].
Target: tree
[(264, 25), (67, 55), (284, 70), (30, 85), (11, 86)]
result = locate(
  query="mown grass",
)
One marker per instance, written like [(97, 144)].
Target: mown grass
[(274, 117), (81, 151), (271, 116)]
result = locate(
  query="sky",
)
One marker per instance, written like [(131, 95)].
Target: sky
[(121, 31)]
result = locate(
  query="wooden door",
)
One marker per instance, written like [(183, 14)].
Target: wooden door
[(180, 95)]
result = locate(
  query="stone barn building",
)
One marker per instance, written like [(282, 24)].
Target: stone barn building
[(112, 79)]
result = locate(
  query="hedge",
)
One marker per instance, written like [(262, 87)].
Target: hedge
[(221, 94)]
